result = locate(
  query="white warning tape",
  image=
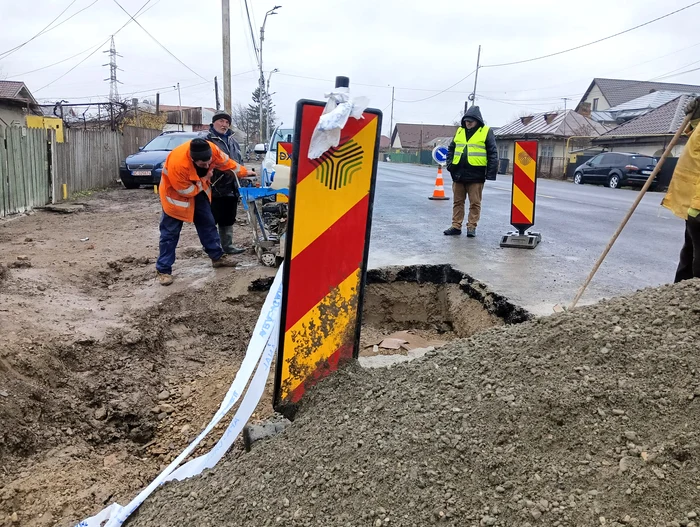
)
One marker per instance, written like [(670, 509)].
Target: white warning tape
[(261, 351)]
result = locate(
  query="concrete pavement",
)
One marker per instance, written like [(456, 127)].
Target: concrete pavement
[(576, 222)]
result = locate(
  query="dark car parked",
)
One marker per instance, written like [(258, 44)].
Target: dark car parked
[(146, 166), (615, 169)]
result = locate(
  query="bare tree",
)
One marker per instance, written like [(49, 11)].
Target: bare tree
[(3, 75)]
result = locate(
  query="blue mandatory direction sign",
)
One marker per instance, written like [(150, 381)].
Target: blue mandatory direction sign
[(440, 155)]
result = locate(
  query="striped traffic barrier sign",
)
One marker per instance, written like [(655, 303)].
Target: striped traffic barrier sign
[(523, 197), (330, 210)]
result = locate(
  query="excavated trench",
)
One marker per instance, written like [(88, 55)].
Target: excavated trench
[(121, 408), (409, 311)]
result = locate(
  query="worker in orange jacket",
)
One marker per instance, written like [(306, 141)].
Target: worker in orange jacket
[(185, 195)]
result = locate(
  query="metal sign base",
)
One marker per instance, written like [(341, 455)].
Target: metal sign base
[(521, 240)]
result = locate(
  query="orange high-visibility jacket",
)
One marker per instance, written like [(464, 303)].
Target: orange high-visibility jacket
[(179, 183)]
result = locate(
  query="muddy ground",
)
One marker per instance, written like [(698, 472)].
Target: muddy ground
[(585, 418), (105, 376)]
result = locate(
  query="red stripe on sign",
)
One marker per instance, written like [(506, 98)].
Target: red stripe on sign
[(530, 147), (339, 357), (326, 262), (524, 183), (309, 121), (517, 217)]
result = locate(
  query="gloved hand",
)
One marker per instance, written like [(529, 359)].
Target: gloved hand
[(693, 108)]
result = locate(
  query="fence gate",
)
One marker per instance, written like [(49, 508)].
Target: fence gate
[(24, 171)]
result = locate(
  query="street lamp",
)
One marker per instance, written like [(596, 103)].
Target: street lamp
[(268, 97), (272, 11)]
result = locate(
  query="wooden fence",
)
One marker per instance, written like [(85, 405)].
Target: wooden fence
[(134, 138), (24, 171), (87, 159), (34, 166)]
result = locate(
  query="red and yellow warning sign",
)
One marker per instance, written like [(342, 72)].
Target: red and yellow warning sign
[(284, 158), (327, 247), (284, 154), (522, 212)]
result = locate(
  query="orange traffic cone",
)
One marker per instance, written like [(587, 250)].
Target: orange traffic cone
[(439, 192)]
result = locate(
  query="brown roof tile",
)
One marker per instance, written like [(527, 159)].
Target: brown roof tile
[(410, 134)]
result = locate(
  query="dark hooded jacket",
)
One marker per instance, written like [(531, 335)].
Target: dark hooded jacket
[(223, 184), (463, 172)]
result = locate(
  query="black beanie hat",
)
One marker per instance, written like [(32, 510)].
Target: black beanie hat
[(200, 150), (221, 115)]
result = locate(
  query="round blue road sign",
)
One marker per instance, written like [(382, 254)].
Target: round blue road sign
[(440, 155)]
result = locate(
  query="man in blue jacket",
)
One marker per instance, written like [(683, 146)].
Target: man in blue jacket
[(472, 158), (225, 195)]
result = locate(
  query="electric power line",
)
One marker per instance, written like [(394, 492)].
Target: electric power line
[(441, 92), (252, 34), (97, 48), (9, 52), (50, 65), (157, 42), (593, 42)]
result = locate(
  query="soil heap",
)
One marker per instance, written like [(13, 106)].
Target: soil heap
[(590, 417)]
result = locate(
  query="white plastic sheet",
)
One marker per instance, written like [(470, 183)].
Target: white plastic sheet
[(261, 350), (339, 108)]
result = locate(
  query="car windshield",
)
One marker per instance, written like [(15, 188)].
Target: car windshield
[(281, 134), (643, 161), (166, 142)]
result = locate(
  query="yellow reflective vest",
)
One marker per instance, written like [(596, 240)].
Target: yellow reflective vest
[(684, 190), (475, 148)]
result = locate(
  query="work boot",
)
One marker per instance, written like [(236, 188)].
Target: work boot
[(164, 279), (452, 232), (226, 237), (471, 232), (224, 261)]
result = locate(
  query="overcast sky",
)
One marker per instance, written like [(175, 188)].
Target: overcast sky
[(418, 47)]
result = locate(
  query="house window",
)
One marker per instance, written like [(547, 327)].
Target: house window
[(595, 104), (503, 151), (546, 150)]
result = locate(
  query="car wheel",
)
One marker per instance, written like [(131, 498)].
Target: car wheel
[(614, 181), (129, 183), (578, 178)]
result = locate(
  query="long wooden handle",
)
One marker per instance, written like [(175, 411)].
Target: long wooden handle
[(646, 186)]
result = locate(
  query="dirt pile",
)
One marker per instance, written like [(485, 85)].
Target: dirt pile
[(584, 418)]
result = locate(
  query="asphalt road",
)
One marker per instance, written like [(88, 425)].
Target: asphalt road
[(576, 223)]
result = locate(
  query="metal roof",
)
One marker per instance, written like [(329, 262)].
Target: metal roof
[(663, 120), (564, 124), (619, 91)]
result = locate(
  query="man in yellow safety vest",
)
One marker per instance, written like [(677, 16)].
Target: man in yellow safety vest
[(472, 158), (683, 197)]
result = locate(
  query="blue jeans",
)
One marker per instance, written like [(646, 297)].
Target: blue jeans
[(206, 230)]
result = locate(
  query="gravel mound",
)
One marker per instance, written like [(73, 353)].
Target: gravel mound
[(585, 418)]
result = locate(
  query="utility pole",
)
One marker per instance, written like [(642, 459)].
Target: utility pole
[(113, 91), (226, 43), (565, 99), (269, 104), (158, 103), (216, 93), (472, 97), (179, 97), (261, 96), (391, 123)]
